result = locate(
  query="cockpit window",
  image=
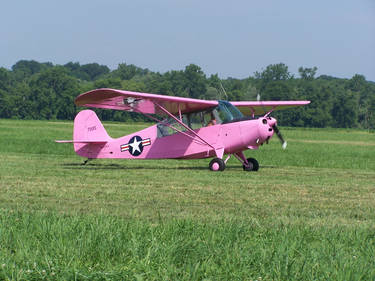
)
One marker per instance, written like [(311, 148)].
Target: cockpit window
[(225, 112), (165, 127), (228, 112)]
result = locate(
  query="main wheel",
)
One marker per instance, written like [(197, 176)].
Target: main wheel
[(253, 165), (217, 164)]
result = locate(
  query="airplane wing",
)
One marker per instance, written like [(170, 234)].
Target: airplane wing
[(141, 102), (262, 107)]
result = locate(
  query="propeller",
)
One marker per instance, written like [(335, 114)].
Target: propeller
[(277, 131), (275, 128)]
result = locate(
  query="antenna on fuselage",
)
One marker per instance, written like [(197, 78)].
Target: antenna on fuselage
[(258, 100), (223, 91)]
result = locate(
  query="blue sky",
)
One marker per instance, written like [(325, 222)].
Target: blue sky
[(232, 38)]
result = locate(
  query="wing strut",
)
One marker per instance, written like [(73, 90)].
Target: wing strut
[(269, 112), (173, 128), (183, 125), (170, 126)]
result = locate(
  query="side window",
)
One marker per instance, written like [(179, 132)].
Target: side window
[(224, 114), (215, 112), (196, 120), (204, 119), (164, 128), (208, 119), (211, 118)]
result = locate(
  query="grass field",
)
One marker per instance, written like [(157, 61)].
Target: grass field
[(308, 214)]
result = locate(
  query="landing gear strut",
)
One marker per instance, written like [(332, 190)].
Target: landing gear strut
[(249, 164)]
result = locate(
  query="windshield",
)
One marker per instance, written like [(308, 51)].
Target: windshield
[(228, 112)]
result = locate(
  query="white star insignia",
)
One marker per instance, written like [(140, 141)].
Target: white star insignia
[(135, 145)]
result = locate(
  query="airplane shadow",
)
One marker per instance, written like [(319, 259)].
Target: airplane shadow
[(112, 166), (93, 166)]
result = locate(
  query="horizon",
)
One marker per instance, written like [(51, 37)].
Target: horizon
[(295, 75)]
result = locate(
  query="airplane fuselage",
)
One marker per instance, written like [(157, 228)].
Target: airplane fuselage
[(146, 144)]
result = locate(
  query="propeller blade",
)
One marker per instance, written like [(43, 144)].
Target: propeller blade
[(277, 131), (284, 145)]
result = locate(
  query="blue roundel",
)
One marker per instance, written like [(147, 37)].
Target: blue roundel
[(135, 146)]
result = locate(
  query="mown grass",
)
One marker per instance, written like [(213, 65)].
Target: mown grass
[(308, 214)]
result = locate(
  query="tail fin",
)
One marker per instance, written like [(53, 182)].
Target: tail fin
[(89, 135), (89, 129)]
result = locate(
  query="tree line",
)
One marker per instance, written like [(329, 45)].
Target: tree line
[(34, 90)]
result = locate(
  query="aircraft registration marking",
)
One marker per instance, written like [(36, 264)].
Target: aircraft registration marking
[(92, 128)]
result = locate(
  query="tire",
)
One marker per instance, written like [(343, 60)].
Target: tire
[(217, 164), (253, 165)]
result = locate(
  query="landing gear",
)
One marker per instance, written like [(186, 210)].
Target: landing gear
[(252, 165), (249, 164), (86, 161), (217, 164)]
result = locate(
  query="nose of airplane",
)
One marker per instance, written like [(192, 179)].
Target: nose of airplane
[(271, 121), (265, 128), (268, 128)]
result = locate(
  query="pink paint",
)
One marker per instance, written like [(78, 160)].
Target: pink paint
[(215, 167), (228, 136)]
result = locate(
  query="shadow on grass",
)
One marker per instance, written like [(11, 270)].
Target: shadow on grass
[(93, 166), (112, 166)]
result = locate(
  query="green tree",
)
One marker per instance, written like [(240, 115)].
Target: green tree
[(53, 92), (318, 113), (23, 106), (307, 73), (156, 83), (88, 72), (212, 94), (94, 70), (26, 68), (344, 110), (273, 72), (356, 83), (6, 88), (195, 81), (127, 72), (110, 82), (178, 83), (363, 91), (75, 70)]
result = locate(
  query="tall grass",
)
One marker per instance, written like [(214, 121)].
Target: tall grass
[(54, 246)]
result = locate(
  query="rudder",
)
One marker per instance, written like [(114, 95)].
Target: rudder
[(88, 129)]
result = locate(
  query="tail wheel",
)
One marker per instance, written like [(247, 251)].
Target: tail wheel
[(253, 165), (217, 164)]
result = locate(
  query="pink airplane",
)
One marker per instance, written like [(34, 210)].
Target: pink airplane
[(190, 128)]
